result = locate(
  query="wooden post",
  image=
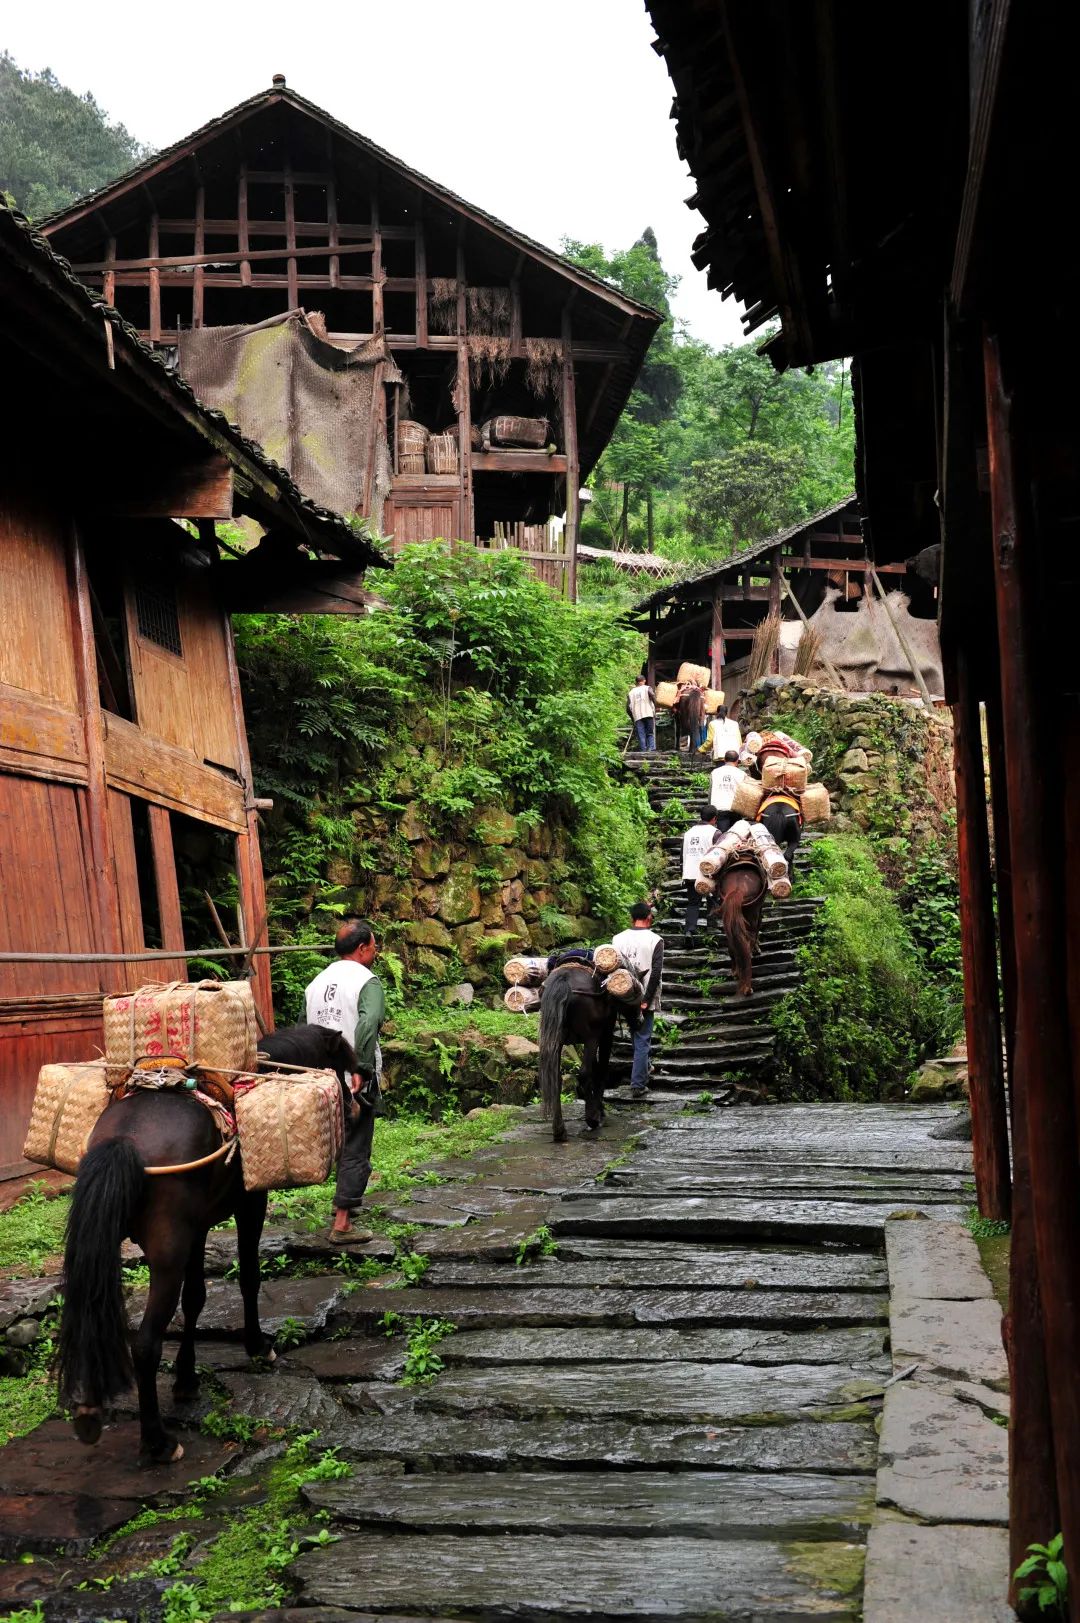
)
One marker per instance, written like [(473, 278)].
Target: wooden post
[(292, 278), (199, 276), (248, 857), (108, 281), (102, 875), (1043, 1104), (155, 282), (467, 527), (420, 266), (570, 446), (332, 235), (716, 639), (989, 1117), (377, 317), (243, 240), (776, 575)]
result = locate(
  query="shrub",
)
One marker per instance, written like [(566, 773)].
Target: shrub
[(868, 1010)]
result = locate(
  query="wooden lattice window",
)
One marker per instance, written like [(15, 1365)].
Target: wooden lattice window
[(158, 618)]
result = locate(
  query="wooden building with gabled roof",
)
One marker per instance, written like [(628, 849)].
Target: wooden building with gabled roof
[(125, 782), (277, 209)]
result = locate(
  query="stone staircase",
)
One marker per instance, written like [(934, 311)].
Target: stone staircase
[(711, 1037)]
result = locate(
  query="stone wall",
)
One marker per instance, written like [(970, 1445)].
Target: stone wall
[(887, 763)]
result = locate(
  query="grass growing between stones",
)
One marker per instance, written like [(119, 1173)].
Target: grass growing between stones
[(32, 1230), (28, 1398)]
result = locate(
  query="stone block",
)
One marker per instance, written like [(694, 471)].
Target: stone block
[(951, 1574), (942, 1459), (431, 861), (495, 826), (428, 933), (935, 1261), (958, 1339), (413, 825), (520, 1050), (460, 897)]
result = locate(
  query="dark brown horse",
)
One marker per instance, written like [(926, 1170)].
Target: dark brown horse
[(740, 900), (169, 1216), (574, 1009), (689, 717)]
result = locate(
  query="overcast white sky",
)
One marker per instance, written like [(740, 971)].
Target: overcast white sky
[(550, 114)]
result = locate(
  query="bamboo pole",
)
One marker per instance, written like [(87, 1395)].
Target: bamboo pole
[(825, 660), (905, 646)]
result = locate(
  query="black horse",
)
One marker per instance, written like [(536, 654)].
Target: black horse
[(574, 1008), (785, 825), (169, 1216), (689, 717)]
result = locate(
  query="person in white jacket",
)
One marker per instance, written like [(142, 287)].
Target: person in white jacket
[(722, 735), (644, 949), (725, 780), (697, 842)]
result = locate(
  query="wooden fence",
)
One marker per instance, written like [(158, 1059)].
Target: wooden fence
[(546, 549)]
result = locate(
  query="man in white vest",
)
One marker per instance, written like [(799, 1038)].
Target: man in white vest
[(348, 998), (641, 708), (697, 842), (644, 949), (725, 780)]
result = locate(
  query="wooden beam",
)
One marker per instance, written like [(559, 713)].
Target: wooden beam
[(989, 1123), (292, 281), (332, 234), (420, 263), (242, 233), (125, 267), (169, 776), (716, 641), (570, 447), (199, 282), (170, 917), (853, 566), (378, 319), (108, 285), (155, 283), (1044, 1103), (202, 489), (511, 461)]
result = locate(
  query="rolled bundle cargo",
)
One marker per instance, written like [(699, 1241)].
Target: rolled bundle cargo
[(781, 772), (780, 888), (791, 746), (814, 802), (698, 674), (747, 797), (768, 853), (705, 887), (624, 985), (725, 848), (752, 743), (666, 694), (712, 863), (522, 999), (608, 958), (714, 698), (525, 971)]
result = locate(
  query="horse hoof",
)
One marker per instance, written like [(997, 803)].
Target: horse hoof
[(167, 1453), (87, 1423), (177, 1454), (559, 1136), (185, 1391)]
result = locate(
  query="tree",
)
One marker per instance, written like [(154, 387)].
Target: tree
[(55, 145), (747, 494)]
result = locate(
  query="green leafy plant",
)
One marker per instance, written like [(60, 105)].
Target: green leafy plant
[(540, 1243), (986, 1228), (1046, 1564), (167, 1566), (422, 1361), (291, 1333), (226, 1423), (413, 1265)]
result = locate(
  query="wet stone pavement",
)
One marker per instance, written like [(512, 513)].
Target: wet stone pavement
[(673, 1416)]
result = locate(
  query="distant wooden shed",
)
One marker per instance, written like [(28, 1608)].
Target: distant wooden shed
[(125, 782)]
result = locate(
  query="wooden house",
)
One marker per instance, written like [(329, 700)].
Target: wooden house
[(875, 620), (442, 321), (904, 201), (125, 785)]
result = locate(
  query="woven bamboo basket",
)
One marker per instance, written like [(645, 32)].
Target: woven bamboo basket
[(67, 1103), (815, 804), (521, 999), (409, 463), (705, 886), (778, 772), (412, 438), (747, 798), (624, 985), (714, 698), (291, 1129), (608, 958), (530, 433), (525, 971), (441, 453), (209, 1023), (698, 674), (666, 694)]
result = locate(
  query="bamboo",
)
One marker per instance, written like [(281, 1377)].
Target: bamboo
[(834, 675), (905, 646)]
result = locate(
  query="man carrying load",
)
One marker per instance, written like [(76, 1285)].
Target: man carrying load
[(721, 735), (726, 779), (644, 950), (697, 842), (348, 997), (641, 708)]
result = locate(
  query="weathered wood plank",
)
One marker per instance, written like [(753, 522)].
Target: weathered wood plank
[(652, 1504), (865, 1347), (498, 1578), (705, 1393), (170, 776)]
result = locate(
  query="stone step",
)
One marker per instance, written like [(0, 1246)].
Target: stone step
[(865, 1347), (498, 1578), (705, 1218), (649, 1265), (692, 1504)]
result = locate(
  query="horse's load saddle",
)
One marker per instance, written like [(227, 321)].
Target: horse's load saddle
[(200, 1038)]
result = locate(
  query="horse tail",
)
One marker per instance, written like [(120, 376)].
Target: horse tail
[(553, 1004), (737, 932), (94, 1355)]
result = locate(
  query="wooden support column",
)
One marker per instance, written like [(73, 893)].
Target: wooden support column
[(982, 1021), (468, 532), (570, 446), (716, 641), (776, 575), (516, 350), (292, 279), (199, 276), (168, 891), (243, 239), (108, 281), (248, 856), (155, 281), (1043, 1104), (99, 829), (420, 267), (378, 320)]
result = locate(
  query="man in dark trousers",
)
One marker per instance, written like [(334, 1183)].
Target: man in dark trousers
[(641, 708), (697, 842), (642, 947), (348, 997)]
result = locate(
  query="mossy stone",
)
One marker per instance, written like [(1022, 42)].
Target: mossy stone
[(413, 825), (460, 897), (428, 933), (495, 826), (431, 861)]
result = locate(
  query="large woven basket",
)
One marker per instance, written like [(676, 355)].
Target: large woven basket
[(525, 971), (412, 438), (814, 802), (714, 698), (667, 694), (67, 1103), (530, 433), (441, 453), (521, 999), (291, 1129), (209, 1023), (409, 463), (778, 772), (698, 674), (747, 798)]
